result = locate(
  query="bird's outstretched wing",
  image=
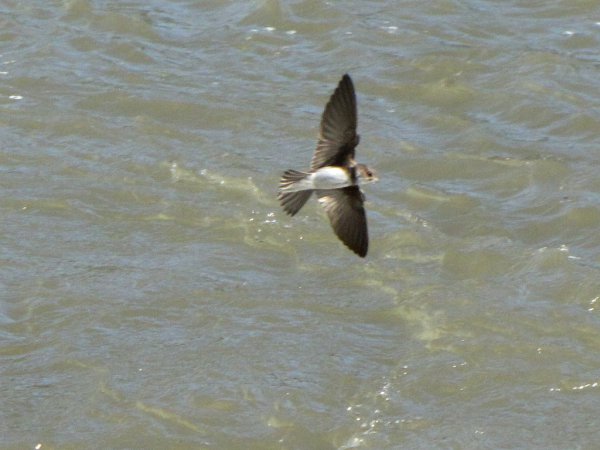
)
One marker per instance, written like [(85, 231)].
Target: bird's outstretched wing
[(337, 138), (347, 215)]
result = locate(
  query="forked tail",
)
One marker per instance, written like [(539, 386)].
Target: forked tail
[(293, 193), (292, 180)]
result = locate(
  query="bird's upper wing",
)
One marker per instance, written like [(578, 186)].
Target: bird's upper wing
[(337, 138), (347, 215)]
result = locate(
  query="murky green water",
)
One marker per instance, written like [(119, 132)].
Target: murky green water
[(154, 295)]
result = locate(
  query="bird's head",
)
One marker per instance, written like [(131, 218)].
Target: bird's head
[(365, 175)]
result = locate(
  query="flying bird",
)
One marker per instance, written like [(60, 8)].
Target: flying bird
[(334, 175)]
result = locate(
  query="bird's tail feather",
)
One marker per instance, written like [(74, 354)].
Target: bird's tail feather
[(292, 193), (292, 180), (292, 202)]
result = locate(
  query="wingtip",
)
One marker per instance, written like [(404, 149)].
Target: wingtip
[(361, 252), (360, 249), (346, 78)]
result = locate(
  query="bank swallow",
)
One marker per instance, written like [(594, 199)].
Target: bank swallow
[(334, 175)]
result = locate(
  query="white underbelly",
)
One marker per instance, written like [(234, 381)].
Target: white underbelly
[(330, 178)]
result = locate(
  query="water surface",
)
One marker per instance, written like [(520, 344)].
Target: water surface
[(154, 295)]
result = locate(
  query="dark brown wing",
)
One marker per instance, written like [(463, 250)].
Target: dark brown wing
[(346, 213), (337, 138)]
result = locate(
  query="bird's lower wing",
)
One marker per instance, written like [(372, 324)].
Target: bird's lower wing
[(346, 212)]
